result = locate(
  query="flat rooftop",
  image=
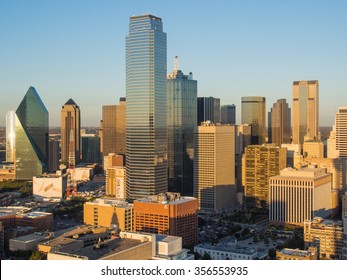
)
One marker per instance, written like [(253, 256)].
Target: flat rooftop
[(37, 214), (295, 252), (13, 210), (108, 248), (167, 198), (237, 249), (110, 202), (302, 173)]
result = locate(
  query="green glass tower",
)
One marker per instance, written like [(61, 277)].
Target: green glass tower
[(146, 136), (32, 131)]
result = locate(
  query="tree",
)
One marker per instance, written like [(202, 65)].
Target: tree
[(255, 239), (36, 255), (272, 254), (206, 256), (197, 256), (245, 231)]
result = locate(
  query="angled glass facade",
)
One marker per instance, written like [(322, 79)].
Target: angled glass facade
[(146, 136), (32, 130), (181, 124)]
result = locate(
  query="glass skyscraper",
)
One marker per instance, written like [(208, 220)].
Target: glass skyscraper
[(208, 109), (279, 123), (32, 130), (181, 124), (146, 98), (253, 113), (228, 114)]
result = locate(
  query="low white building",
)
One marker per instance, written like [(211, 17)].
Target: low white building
[(49, 186), (230, 252), (81, 173)]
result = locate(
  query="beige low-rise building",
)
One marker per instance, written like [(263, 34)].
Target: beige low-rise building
[(49, 186), (109, 213), (326, 235), (314, 149), (129, 246), (296, 254), (76, 238)]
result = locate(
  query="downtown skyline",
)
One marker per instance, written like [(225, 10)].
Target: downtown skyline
[(77, 50)]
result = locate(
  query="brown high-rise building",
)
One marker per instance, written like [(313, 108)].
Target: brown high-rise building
[(170, 214), (305, 112), (70, 133), (279, 123), (112, 132)]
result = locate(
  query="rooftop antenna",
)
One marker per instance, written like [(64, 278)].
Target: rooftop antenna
[(176, 63)]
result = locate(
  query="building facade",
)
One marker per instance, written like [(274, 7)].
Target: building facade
[(341, 132), (54, 155), (31, 136), (170, 214), (305, 111), (208, 109), (113, 128), (259, 163), (181, 124), (109, 213), (313, 149), (115, 182), (228, 114), (91, 148), (10, 136), (298, 195), (146, 114), (326, 235), (71, 133), (214, 166), (279, 123), (49, 186), (296, 254), (253, 113)]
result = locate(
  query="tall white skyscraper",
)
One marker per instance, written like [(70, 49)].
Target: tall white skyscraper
[(146, 97)]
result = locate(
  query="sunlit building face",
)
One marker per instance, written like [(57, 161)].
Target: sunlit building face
[(146, 136)]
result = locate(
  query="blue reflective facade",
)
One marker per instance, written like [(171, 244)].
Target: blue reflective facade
[(181, 125), (146, 136), (32, 131)]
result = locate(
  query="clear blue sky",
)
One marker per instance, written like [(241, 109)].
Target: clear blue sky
[(76, 49)]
